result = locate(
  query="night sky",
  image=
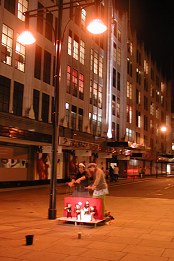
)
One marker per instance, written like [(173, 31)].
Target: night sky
[(154, 24)]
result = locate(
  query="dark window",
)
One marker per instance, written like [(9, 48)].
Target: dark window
[(145, 123), (36, 103), (18, 98), (113, 130), (47, 67), (52, 109), (118, 132), (49, 26), (45, 107), (118, 81), (77, 15), (38, 60), (145, 84), (137, 137), (80, 119), (4, 94), (137, 96), (54, 73), (145, 103), (115, 28), (10, 5), (114, 77), (73, 117), (40, 19)]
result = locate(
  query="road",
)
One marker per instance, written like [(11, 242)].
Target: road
[(145, 188), (37, 198)]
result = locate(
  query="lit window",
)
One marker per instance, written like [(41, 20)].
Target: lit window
[(67, 107), (20, 57), (118, 107), (113, 104), (74, 82), (90, 91), (68, 80), (82, 52), (119, 56), (70, 44), (129, 90), (94, 123), (115, 52), (130, 114), (157, 113), (6, 45), (152, 108), (92, 60), (100, 67), (129, 134), (95, 63), (95, 87), (76, 48), (81, 86), (22, 7), (138, 119), (83, 17), (99, 125), (100, 97)]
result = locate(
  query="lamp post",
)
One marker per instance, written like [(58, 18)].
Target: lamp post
[(55, 124)]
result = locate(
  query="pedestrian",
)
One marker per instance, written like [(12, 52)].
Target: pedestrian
[(140, 172), (107, 174), (99, 185), (116, 172), (80, 182), (111, 173)]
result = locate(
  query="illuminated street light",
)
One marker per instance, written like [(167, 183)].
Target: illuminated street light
[(163, 128), (27, 38), (96, 26)]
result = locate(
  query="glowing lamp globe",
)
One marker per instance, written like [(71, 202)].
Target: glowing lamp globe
[(26, 38), (96, 26), (163, 129)]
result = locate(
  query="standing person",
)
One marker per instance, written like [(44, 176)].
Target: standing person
[(116, 172), (80, 181), (99, 186), (140, 172), (111, 173)]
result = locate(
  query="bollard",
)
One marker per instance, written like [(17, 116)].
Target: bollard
[(29, 240)]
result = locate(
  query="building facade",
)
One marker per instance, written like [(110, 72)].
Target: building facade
[(112, 98)]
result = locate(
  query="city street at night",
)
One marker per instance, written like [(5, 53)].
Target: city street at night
[(143, 228)]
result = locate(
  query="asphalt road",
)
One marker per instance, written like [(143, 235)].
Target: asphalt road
[(145, 188)]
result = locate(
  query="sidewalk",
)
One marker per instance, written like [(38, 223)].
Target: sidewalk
[(143, 230)]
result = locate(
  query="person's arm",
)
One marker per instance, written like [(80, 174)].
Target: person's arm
[(80, 179)]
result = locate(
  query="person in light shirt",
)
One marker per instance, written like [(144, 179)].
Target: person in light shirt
[(99, 186)]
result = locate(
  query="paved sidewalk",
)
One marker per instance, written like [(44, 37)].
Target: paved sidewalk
[(143, 230)]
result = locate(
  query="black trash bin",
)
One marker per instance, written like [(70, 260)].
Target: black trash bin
[(29, 240)]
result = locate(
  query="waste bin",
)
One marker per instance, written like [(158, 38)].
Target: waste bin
[(29, 240)]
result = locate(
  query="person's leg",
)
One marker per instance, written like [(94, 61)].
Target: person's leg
[(103, 203)]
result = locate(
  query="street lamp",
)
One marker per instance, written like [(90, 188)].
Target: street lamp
[(27, 38), (163, 129)]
